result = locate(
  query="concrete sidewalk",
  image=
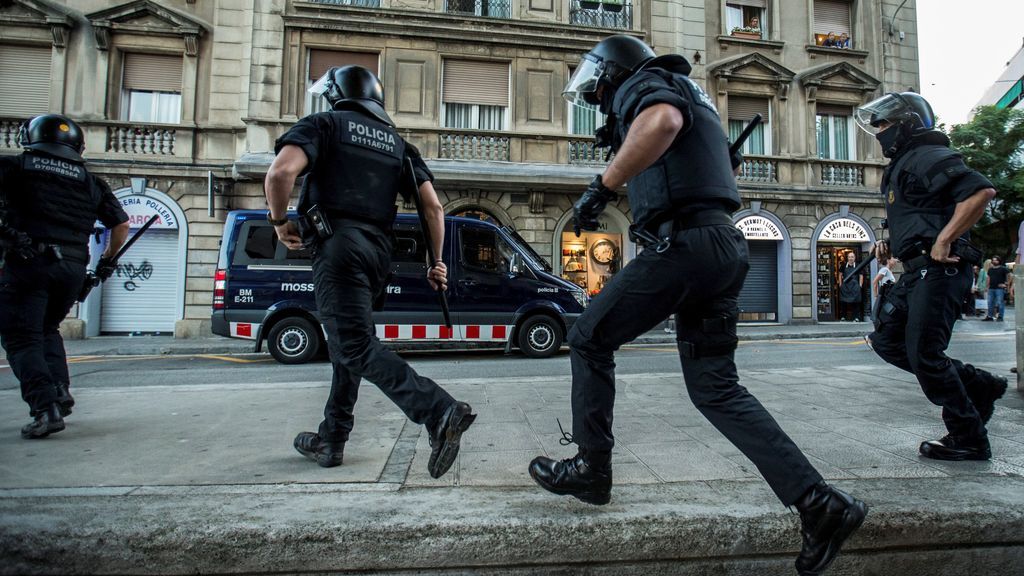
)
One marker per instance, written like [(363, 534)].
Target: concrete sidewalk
[(203, 479), (155, 345)]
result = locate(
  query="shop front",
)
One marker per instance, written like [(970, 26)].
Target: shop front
[(836, 239), (146, 292), (592, 259), (760, 299)]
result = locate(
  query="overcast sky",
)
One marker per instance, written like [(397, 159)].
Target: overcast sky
[(964, 47)]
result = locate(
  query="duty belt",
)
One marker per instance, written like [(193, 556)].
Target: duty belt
[(686, 221), (918, 256)]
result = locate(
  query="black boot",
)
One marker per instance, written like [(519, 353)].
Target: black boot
[(64, 399), (580, 476), (953, 447), (445, 436), (984, 391), (312, 446), (828, 517), (47, 421)]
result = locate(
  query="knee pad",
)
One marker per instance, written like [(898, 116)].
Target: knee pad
[(707, 337)]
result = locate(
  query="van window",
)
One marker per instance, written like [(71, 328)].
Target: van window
[(257, 244), (484, 250), (410, 253)]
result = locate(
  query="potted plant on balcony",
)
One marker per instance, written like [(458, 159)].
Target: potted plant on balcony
[(746, 32), (589, 4), (612, 5)]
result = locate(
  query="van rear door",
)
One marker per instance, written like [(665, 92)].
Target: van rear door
[(485, 293)]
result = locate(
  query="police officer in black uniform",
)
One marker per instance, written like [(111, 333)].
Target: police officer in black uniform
[(672, 151), (49, 203), (353, 159), (932, 200)]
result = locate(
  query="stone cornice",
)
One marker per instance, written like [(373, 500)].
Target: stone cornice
[(41, 15), (120, 19), (822, 77)]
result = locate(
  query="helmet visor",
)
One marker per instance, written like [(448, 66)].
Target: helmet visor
[(320, 86), (879, 114), (583, 82)]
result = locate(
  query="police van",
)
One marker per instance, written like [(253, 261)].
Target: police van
[(500, 291)]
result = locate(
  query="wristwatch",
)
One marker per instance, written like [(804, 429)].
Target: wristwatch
[(276, 222)]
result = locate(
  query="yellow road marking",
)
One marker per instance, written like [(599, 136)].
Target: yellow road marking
[(231, 359), (93, 359)]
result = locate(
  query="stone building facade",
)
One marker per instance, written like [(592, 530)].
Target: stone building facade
[(181, 101)]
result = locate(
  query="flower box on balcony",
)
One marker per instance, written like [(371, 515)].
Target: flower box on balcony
[(588, 5), (748, 34), (612, 5)]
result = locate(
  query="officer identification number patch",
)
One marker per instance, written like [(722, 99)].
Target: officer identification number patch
[(54, 166), (369, 136), (701, 95), (892, 196)]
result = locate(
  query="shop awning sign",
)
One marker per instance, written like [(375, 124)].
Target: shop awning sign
[(844, 230), (759, 228), (141, 208)]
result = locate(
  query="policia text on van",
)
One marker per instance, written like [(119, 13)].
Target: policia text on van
[(500, 291)]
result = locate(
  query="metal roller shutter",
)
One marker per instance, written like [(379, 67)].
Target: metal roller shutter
[(142, 295), (24, 80), (760, 293), (320, 61), (831, 16), (475, 82), (745, 107), (152, 73)]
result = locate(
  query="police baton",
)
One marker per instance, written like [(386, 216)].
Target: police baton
[(745, 134), (431, 257), (92, 280)]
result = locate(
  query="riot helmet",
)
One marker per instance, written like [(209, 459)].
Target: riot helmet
[(609, 64), (353, 88), (53, 134), (896, 118)]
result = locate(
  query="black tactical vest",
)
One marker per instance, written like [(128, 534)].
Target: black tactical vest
[(694, 170), (912, 190), (52, 200), (358, 175)]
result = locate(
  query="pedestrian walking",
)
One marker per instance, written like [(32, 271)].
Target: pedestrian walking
[(671, 149), (932, 200), (997, 283), (353, 160), (880, 285), (49, 203)]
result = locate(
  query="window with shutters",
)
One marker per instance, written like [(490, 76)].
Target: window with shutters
[(489, 8), (475, 95), (832, 23), (318, 62), (746, 19), (741, 111), (24, 80), (835, 134), (151, 88)]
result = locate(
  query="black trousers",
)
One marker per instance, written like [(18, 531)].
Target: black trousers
[(349, 270), (851, 310), (35, 295), (699, 276), (915, 323)]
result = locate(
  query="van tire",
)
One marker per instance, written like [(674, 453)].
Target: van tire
[(293, 340), (540, 336)]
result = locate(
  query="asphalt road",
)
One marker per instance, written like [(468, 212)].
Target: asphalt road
[(994, 350)]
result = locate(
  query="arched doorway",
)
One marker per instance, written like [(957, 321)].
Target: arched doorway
[(767, 294), (836, 236), (590, 260)]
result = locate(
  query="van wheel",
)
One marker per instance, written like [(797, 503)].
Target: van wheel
[(540, 337), (293, 340)]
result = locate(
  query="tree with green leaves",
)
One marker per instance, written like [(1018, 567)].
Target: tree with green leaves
[(993, 144)]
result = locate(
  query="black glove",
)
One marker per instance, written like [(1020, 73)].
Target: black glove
[(590, 205), (736, 159), (105, 268), (17, 243)]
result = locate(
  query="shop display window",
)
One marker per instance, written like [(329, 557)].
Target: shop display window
[(591, 260), (830, 262)]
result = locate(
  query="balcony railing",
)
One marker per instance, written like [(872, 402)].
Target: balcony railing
[(844, 174), (488, 8), (601, 14), (359, 3), (586, 152), (473, 147), (144, 140), (759, 170)]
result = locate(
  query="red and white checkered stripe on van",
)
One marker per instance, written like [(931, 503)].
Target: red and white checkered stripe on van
[(245, 330), (460, 332)]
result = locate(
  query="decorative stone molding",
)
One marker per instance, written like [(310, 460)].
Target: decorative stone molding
[(147, 18), (753, 68), (36, 14), (536, 202), (841, 77)]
